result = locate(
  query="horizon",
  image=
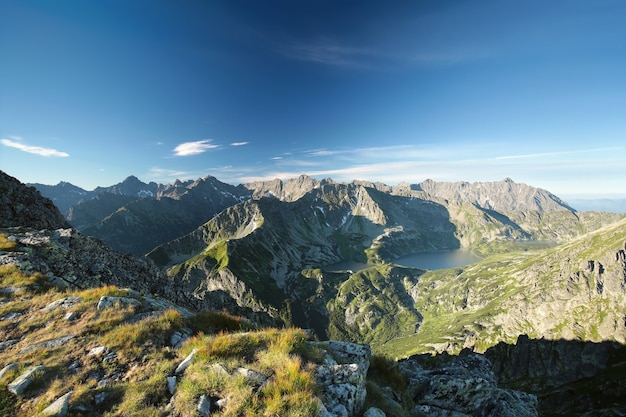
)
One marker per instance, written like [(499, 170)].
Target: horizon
[(449, 91), (598, 196)]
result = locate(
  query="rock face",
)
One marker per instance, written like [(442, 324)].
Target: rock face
[(570, 377), (462, 386), (505, 195), (24, 206), (342, 380)]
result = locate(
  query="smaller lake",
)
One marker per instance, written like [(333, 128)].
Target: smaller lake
[(440, 259), (346, 266)]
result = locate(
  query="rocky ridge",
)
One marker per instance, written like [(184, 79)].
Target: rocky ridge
[(270, 256), (72, 347)]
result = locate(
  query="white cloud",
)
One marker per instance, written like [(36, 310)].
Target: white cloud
[(194, 148), (239, 143), (37, 150)]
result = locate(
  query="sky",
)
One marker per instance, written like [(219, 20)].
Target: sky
[(94, 91)]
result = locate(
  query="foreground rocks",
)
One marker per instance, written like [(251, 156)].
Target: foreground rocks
[(463, 385)]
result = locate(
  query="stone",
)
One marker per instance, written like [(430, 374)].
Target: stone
[(346, 352), (22, 382), (71, 316), (186, 362), (9, 368), (100, 397), (341, 387), (7, 343), (97, 351), (171, 384), (204, 406), (178, 337), (462, 385), (251, 376), (48, 344), (107, 302), (374, 412), (221, 403), (341, 378), (218, 369), (63, 303), (59, 408)]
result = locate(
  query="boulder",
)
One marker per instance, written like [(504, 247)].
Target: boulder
[(374, 412), (204, 406), (58, 408), (107, 302), (186, 362), (465, 385), (22, 382)]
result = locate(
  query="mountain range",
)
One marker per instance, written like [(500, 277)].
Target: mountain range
[(275, 253)]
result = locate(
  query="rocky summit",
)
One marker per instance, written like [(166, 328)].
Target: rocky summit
[(288, 301)]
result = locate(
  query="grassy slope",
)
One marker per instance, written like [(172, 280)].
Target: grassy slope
[(137, 374), (460, 304)]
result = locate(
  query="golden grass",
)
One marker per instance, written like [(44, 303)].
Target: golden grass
[(144, 359), (6, 244), (271, 352)]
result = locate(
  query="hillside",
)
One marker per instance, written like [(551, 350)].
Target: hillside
[(551, 285), (72, 346), (575, 291), (269, 254)]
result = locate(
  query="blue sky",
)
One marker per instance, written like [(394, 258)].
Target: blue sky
[(94, 91)]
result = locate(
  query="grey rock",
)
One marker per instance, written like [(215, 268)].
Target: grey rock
[(97, 351), (58, 408), (171, 384), (251, 376), (464, 385), (374, 412), (346, 352), (186, 362), (204, 406), (342, 387), (7, 343), (64, 303), (21, 205), (22, 382), (9, 368), (100, 397), (218, 369), (107, 302), (179, 337), (71, 316), (221, 403), (11, 316), (48, 344)]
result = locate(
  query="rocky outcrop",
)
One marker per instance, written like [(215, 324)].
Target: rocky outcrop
[(462, 385), (570, 377), (24, 206), (341, 379), (505, 195)]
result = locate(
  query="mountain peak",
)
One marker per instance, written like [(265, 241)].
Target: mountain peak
[(21, 205)]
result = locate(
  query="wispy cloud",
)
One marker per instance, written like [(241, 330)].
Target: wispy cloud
[(37, 150), (560, 153), (239, 143), (194, 148), (328, 52)]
